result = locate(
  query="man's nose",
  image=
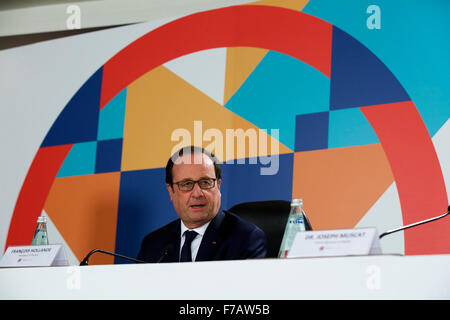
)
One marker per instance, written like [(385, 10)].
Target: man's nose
[(197, 191)]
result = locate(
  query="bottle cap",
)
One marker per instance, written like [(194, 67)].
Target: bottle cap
[(296, 202)]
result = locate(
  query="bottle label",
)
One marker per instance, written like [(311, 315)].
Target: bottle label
[(296, 220), (40, 235), (295, 224)]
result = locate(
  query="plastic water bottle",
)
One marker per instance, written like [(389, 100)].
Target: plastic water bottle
[(40, 235), (295, 223)]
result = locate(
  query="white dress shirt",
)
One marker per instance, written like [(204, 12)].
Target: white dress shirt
[(197, 240)]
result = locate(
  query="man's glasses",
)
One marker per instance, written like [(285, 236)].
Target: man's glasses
[(188, 185)]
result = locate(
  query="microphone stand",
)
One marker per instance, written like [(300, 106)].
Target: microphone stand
[(166, 251), (414, 224), (85, 260)]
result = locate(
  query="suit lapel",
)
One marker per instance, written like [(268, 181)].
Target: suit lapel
[(174, 239), (211, 239)]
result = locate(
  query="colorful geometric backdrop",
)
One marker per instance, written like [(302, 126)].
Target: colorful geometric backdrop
[(348, 130)]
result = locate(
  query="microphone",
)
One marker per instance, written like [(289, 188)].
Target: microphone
[(84, 262), (414, 224), (167, 249)]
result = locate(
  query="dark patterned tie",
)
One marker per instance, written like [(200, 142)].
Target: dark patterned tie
[(186, 254)]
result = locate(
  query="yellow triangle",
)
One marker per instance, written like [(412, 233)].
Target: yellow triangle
[(164, 113), (288, 4), (241, 61)]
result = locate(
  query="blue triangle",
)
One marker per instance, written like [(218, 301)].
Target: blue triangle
[(358, 77), (348, 128), (280, 88), (78, 122), (80, 160), (112, 118)]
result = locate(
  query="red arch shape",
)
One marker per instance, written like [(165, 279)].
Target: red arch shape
[(273, 28)]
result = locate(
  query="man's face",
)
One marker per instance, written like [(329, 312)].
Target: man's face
[(195, 207)]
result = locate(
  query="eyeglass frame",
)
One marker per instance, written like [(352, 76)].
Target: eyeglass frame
[(196, 182)]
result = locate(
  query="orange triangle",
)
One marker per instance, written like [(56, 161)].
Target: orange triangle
[(338, 186), (84, 210)]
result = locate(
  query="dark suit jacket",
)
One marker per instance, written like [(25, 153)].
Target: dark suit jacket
[(227, 237)]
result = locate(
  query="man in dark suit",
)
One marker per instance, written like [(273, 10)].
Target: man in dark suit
[(202, 232)]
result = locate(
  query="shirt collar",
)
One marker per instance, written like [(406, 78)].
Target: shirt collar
[(200, 230)]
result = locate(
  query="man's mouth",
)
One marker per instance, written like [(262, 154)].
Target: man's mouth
[(197, 206)]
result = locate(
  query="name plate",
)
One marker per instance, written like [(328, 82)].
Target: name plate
[(343, 242), (34, 256)]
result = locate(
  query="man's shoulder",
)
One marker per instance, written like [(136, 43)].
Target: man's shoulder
[(246, 239), (232, 220), (163, 231), (154, 243)]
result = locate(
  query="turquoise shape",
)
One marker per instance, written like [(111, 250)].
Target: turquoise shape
[(80, 160), (112, 118), (412, 43), (279, 89), (348, 128)]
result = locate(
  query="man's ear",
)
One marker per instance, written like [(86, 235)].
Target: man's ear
[(170, 189), (219, 182)]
